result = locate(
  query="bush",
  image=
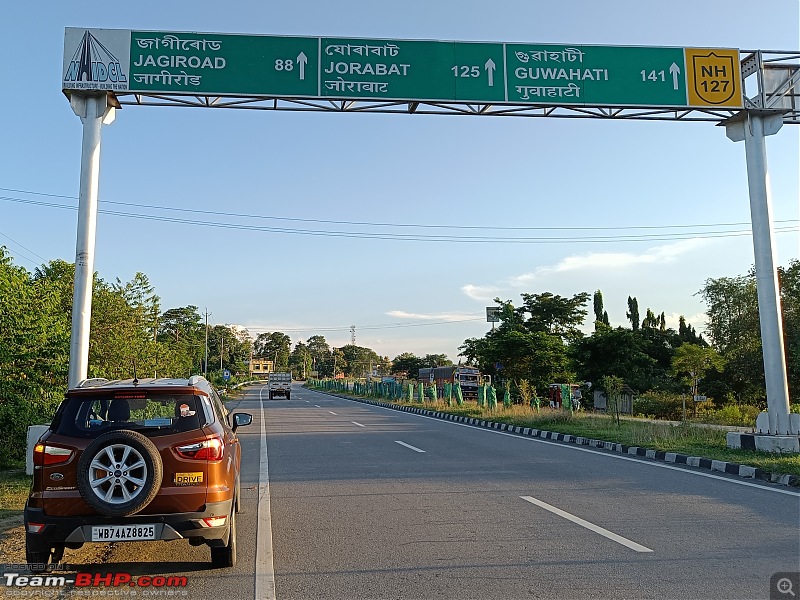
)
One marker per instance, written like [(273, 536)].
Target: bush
[(16, 414), (661, 405), (741, 415)]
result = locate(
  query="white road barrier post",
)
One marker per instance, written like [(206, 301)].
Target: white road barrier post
[(94, 111)]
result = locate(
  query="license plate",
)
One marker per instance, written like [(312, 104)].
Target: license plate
[(123, 533)]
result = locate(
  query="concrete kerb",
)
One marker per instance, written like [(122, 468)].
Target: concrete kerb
[(721, 466)]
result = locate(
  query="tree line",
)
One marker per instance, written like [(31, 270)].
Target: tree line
[(316, 356), (131, 335), (539, 341)]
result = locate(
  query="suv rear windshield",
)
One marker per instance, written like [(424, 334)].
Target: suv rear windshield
[(146, 412)]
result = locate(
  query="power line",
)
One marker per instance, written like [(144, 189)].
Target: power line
[(439, 237), (44, 260), (373, 223)]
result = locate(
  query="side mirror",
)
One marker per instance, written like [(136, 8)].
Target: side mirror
[(240, 419)]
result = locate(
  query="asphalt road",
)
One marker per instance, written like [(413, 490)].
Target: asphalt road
[(354, 501)]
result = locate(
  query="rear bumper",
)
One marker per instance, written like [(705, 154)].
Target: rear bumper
[(75, 531)]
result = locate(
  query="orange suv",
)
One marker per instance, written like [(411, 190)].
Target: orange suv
[(134, 460)]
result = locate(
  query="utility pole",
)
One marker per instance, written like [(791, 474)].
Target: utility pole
[(352, 335), (221, 350), (94, 111), (205, 362)]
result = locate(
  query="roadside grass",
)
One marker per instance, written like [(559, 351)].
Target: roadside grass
[(14, 488), (689, 439)]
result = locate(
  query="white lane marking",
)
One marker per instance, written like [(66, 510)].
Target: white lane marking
[(408, 446), (307, 402), (330, 411), (606, 454), (357, 423), (318, 406), (590, 526), (265, 564)]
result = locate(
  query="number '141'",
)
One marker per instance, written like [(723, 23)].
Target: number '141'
[(654, 76)]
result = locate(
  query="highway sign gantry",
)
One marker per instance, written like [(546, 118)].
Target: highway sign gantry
[(400, 70)]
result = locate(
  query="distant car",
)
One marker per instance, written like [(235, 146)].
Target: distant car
[(134, 460)]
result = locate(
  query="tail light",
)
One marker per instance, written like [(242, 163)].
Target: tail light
[(210, 449), (44, 455)]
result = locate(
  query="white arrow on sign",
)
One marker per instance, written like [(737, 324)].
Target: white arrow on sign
[(674, 69), (490, 67), (302, 59)]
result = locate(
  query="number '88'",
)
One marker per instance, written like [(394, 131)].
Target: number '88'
[(284, 65)]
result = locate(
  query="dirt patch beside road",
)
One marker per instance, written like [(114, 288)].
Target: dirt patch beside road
[(12, 552)]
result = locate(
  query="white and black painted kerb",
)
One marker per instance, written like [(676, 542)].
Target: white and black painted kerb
[(670, 457)]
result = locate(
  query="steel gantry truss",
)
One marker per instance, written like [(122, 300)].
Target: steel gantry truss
[(772, 77), (771, 98)]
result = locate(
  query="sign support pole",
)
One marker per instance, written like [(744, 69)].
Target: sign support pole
[(753, 126), (94, 111)]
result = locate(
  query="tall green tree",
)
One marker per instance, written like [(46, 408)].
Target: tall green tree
[(182, 332), (339, 362), (529, 348), (692, 362), (140, 295), (553, 314), (734, 330), (407, 362), (119, 343), (650, 321), (321, 357), (300, 360), (275, 346), (789, 278), (600, 315), (436, 360), (642, 362), (34, 352), (633, 313), (359, 360), (597, 301), (228, 348)]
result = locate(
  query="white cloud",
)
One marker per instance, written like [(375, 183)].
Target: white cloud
[(481, 292), (613, 261), (449, 317)]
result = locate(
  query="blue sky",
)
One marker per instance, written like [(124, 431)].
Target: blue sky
[(422, 297)]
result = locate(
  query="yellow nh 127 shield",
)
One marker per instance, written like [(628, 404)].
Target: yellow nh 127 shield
[(714, 77)]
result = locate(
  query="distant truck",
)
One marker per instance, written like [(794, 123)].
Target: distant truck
[(467, 377), (280, 384)]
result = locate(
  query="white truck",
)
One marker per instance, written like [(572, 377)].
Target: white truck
[(280, 384)]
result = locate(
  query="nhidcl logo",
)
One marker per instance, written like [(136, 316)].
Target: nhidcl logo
[(94, 62)]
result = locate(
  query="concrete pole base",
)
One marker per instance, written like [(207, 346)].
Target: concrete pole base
[(777, 444), (768, 423)]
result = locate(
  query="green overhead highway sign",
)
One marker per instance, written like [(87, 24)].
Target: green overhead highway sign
[(172, 63)]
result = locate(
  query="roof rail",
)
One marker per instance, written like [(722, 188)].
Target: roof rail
[(91, 382)]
